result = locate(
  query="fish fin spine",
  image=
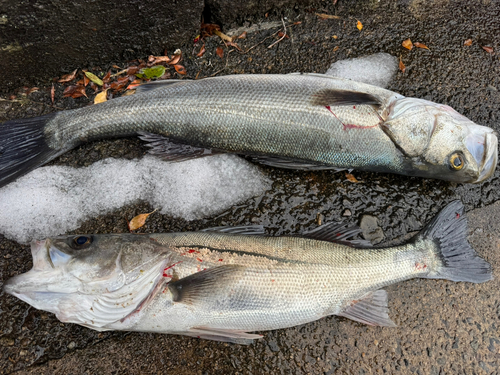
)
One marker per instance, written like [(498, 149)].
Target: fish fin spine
[(370, 309), (456, 259)]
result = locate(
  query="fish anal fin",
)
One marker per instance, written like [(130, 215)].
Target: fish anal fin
[(170, 150), (338, 233), (330, 97), (226, 335), (371, 309), (206, 287)]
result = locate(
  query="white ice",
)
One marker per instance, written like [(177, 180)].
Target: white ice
[(377, 69), (53, 200)]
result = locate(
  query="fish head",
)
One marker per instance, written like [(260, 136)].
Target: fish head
[(83, 279), (438, 142)]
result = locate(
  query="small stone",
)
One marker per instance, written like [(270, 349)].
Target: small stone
[(22, 353), (71, 345), (347, 213), (371, 231)]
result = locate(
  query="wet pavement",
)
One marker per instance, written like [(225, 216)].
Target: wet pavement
[(443, 327)]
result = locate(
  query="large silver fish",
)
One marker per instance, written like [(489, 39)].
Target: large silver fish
[(223, 284), (302, 121)]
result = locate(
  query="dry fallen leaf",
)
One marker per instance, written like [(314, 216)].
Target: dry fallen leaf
[(101, 97), (488, 49), (74, 92), (359, 25), (68, 77), (468, 42), (336, 48), (402, 66), (324, 16), (202, 51), (223, 36), (107, 77), (175, 59), (486, 44), (180, 69), (420, 45), (155, 60), (33, 89), (52, 93), (134, 84), (207, 29), (220, 52), (86, 80), (351, 178), (243, 35), (407, 44), (138, 221)]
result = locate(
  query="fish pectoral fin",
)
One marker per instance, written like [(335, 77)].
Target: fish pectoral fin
[(331, 97), (235, 336), (246, 230), (371, 309), (337, 233), (208, 286), (285, 163), (170, 150)]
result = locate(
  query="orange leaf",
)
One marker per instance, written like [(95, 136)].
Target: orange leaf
[(323, 16), (131, 70), (107, 77), (86, 80), (220, 52), (359, 25), (351, 178), (488, 49), (407, 44), (402, 66), (202, 51), (101, 97), (420, 45), (336, 48), (138, 221), (175, 59), (52, 93), (74, 92), (155, 60), (68, 77), (243, 35), (180, 69), (468, 42), (134, 84)]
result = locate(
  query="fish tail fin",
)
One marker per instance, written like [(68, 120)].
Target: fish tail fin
[(23, 147), (457, 261)]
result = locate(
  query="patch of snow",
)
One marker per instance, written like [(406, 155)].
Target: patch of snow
[(377, 69), (53, 200)]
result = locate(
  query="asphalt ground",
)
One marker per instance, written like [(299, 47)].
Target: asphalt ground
[(443, 327)]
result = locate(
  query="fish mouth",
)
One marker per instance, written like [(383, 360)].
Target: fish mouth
[(482, 143)]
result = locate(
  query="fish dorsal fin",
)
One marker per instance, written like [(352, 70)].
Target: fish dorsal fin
[(246, 230), (338, 233), (226, 335), (285, 163), (333, 97), (206, 287), (170, 150), (154, 85), (371, 309)]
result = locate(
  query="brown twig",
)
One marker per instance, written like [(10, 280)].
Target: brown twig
[(283, 37)]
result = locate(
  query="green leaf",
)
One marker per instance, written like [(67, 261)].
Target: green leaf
[(151, 73), (94, 78)]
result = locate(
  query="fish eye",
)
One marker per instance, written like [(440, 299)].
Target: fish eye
[(81, 242), (456, 162)]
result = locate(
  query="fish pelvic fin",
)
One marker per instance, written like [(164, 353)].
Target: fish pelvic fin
[(226, 335), (457, 261), (23, 147), (370, 309)]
